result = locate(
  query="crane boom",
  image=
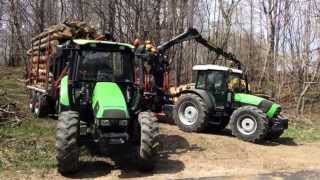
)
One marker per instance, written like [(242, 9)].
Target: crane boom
[(193, 34)]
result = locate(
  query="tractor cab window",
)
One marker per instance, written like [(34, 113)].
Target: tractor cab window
[(236, 83), (216, 81), (105, 66), (201, 82)]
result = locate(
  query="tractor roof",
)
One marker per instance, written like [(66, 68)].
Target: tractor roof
[(85, 42), (206, 67)]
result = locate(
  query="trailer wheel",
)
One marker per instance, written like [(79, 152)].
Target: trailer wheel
[(149, 132), (249, 124), (40, 106), (32, 99)]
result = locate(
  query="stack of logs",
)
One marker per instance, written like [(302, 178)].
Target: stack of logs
[(44, 47)]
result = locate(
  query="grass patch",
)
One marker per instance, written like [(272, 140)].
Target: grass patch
[(30, 145), (302, 132)]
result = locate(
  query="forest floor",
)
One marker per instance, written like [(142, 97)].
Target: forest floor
[(27, 150)]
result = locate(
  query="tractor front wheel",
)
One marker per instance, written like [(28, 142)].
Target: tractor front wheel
[(191, 113), (149, 130), (67, 147), (249, 124)]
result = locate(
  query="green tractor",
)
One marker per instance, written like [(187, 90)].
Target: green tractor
[(100, 103), (220, 96)]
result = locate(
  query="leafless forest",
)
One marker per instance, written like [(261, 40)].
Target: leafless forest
[(277, 40)]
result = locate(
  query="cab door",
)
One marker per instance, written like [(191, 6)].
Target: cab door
[(216, 85)]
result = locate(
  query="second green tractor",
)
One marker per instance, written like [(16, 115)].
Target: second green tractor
[(220, 96), (101, 104)]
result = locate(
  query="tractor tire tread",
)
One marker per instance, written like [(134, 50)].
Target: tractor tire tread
[(261, 131), (67, 142), (149, 140), (202, 123)]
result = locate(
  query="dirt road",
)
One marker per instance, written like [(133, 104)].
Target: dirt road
[(205, 156)]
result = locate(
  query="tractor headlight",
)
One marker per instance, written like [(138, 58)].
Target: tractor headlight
[(105, 122)]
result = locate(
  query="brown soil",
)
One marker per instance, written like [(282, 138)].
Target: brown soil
[(191, 155)]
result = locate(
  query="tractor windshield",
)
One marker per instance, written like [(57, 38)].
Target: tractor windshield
[(112, 66), (237, 83)]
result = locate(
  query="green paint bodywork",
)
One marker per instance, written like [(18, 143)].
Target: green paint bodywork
[(85, 41), (64, 95), (247, 99), (272, 111), (108, 96), (255, 101)]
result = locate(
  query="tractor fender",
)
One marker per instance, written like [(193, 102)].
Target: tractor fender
[(207, 97), (64, 92)]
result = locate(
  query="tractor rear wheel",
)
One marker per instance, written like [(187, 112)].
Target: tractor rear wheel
[(249, 124), (191, 113), (67, 147), (149, 130)]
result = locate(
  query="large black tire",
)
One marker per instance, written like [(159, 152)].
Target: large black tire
[(191, 113), (67, 136), (274, 134), (249, 124), (149, 141)]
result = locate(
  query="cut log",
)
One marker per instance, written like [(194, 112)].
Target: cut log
[(43, 47), (55, 36), (52, 29), (41, 59)]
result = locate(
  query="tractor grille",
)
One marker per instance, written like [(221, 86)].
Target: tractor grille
[(113, 125), (114, 113)]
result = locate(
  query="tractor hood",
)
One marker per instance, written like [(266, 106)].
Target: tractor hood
[(108, 102), (270, 108)]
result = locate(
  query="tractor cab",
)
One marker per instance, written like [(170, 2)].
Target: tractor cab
[(96, 67), (221, 82)]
